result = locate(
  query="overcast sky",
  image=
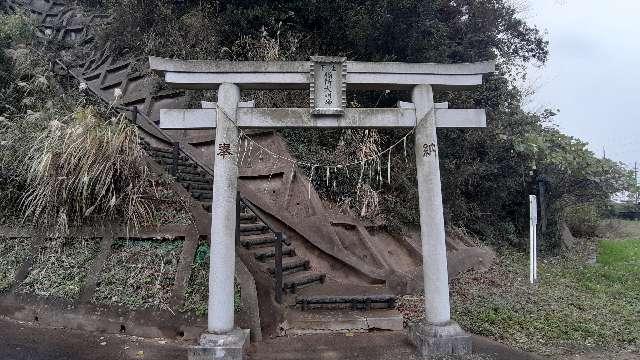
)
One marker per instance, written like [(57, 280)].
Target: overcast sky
[(593, 75)]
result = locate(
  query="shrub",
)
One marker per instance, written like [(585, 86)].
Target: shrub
[(87, 169), (582, 219)]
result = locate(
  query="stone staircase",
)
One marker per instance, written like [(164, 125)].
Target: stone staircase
[(259, 240), (255, 236), (185, 171)]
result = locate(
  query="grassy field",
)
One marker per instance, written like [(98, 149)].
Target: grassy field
[(576, 307)]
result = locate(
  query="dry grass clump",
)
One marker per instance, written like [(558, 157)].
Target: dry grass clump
[(61, 267), (86, 168), (13, 252), (139, 274)]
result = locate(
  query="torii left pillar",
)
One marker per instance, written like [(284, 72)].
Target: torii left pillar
[(223, 340)]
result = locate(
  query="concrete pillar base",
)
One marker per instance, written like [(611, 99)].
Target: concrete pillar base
[(229, 346), (431, 339)]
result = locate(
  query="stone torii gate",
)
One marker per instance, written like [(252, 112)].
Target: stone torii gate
[(327, 79)]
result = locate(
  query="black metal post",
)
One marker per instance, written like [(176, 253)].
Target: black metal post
[(134, 114), (278, 266), (542, 202), (176, 156), (238, 212)]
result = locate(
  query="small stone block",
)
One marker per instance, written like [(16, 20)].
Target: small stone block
[(229, 346), (431, 339)]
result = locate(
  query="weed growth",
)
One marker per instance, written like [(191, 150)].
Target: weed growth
[(139, 274), (61, 267), (13, 252)]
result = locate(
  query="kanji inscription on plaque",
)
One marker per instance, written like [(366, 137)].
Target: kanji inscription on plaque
[(328, 95)]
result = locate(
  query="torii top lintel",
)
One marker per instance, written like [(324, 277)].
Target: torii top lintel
[(199, 74)]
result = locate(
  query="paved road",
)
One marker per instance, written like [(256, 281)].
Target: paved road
[(369, 346), (21, 341)]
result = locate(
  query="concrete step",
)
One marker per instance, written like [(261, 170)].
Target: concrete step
[(145, 145), (353, 302), (329, 321), (255, 227), (291, 265), (257, 240), (157, 150), (186, 164), (189, 170), (201, 195), (166, 156), (248, 218), (194, 179), (264, 254), (195, 186), (295, 281), (206, 206)]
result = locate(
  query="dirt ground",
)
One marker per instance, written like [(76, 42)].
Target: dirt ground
[(25, 341), (370, 346), (28, 341)]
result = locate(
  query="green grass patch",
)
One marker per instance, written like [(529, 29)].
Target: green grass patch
[(574, 307), (13, 252), (612, 252), (139, 274), (61, 267)]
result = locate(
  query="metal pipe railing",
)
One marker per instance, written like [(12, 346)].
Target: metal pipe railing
[(176, 157), (280, 241), (238, 213), (280, 238)]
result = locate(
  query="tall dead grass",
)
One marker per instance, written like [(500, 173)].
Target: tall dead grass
[(85, 168)]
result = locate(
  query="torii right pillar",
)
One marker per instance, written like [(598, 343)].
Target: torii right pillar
[(437, 333)]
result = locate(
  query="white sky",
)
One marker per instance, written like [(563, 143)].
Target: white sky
[(593, 74)]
